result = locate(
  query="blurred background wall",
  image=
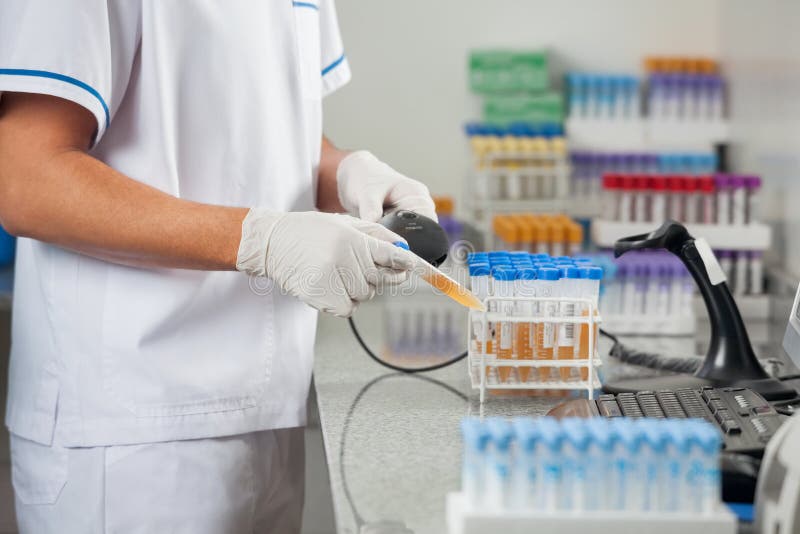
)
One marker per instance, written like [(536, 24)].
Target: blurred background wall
[(409, 95), (760, 52)]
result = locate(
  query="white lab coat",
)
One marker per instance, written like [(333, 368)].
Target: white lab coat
[(215, 101)]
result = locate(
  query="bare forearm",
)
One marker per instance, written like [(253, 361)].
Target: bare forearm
[(77, 202), (327, 195), (53, 191)]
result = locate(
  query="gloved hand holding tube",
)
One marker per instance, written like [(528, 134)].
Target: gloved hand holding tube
[(329, 261)]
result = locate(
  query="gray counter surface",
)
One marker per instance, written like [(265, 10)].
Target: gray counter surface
[(392, 441)]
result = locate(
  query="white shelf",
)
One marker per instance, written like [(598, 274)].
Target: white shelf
[(603, 134), (686, 135), (462, 519), (751, 307), (756, 236), (533, 205), (645, 134), (671, 325)]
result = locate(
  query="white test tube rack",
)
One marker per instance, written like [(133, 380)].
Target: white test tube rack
[(465, 519), (485, 362)]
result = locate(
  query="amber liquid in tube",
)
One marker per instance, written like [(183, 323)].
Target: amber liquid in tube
[(504, 287), (524, 338), (546, 330)]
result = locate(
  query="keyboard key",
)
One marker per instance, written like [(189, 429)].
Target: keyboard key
[(722, 415), (730, 426), (609, 408)]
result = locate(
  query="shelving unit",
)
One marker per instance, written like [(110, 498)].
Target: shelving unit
[(644, 134), (752, 237)]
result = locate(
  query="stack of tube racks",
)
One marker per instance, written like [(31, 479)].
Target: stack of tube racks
[(518, 168), (548, 350)]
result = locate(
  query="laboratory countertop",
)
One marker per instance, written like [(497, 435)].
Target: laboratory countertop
[(392, 441)]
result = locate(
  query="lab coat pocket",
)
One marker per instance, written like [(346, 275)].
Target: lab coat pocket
[(38, 472), (186, 343), (307, 33)]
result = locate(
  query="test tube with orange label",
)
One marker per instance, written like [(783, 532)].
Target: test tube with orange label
[(568, 288), (546, 286), (503, 283), (525, 286), (589, 289)]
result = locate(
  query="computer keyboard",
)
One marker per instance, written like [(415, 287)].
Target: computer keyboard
[(745, 418)]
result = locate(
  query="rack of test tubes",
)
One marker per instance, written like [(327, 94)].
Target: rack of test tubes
[(647, 292), (684, 89), (541, 325), (603, 96), (589, 167), (722, 208), (521, 162), (555, 235), (606, 476), (420, 328), (679, 105)]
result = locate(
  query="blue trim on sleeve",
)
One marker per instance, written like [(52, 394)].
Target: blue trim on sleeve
[(333, 65), (306, 4), (68, 79)]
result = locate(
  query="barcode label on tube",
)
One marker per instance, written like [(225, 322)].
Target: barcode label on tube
[(566, 335)]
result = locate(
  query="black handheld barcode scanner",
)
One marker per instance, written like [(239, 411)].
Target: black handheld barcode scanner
[(425, 237)]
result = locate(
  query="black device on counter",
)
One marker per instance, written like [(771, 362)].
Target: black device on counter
[(730, 360)]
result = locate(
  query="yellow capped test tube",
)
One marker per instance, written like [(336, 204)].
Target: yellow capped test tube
[(506, 231), (653, 64), (540, 235), (510, 144), (558, 146), (574, 237), (556, 234), (707, 66), (525, 232), (443, 205)]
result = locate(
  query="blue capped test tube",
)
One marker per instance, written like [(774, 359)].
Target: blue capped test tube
[(476, 441), (498, 467)]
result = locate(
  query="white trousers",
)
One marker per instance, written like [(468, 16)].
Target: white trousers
[(238, 484)]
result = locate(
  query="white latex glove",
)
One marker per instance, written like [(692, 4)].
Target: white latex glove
[(331, 262), (368, 187)]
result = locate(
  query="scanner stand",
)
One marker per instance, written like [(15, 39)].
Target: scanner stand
[(730, 360)]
